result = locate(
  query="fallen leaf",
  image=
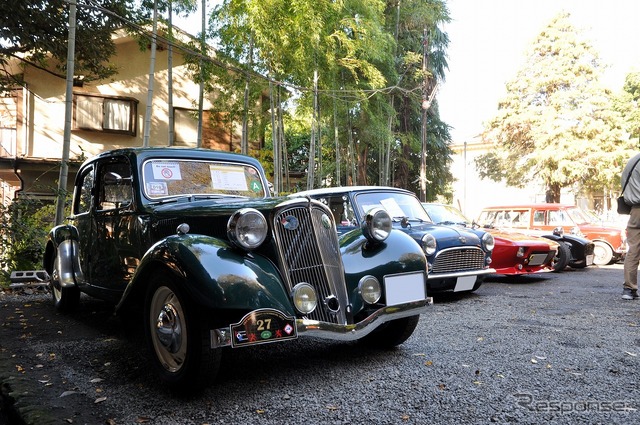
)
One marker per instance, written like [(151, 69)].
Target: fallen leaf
[(405, 417), (67, 393), (100, 399), (428, 363), (142, 419), (259, 411), (332, 408)]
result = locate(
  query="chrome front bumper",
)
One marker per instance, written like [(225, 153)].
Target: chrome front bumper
[(350, 332)]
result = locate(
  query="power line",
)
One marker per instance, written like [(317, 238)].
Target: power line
[(340, 95)]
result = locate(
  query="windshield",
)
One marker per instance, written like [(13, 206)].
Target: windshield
[(578, 216), (445, 214), (166, 178), (398, 205)]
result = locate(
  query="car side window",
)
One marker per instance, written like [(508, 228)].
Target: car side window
[(520, 218), (83, 189), (558, 217), (538, 218), (115, 186)]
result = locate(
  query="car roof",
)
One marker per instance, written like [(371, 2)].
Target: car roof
[(341, 189), (142, 154)]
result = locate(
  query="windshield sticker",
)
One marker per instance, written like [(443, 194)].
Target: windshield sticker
[(256, 186), (166, 171), (228, 178), (157, 189), (392, 207)]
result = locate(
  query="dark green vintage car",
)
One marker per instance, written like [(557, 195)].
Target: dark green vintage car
[(192, 238)]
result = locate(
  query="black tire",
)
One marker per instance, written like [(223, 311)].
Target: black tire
[(65, 299), (603, 254), (561, 260), (392, 333), (178, 342)]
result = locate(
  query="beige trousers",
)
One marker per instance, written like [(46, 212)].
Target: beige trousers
[(632, 259)]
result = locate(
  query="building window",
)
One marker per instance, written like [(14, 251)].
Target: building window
[(108, 114)]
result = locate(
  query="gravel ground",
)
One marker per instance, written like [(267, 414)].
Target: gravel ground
[(551, 347)]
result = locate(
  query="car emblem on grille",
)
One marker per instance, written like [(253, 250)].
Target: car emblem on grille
[(462, 239), (290, 222), (326, 222)]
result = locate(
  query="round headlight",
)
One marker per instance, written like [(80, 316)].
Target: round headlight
[(370, 289), (247, 228), (377, 225), (304, 298), (488, 242), (429, 244)]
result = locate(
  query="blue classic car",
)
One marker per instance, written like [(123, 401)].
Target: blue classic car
[(458, 258), (192, 239)]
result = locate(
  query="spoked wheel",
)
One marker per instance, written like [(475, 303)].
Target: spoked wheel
[(178, 342), (65, 299)]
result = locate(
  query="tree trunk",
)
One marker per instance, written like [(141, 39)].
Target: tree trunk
[(362, 165), (553, 193)]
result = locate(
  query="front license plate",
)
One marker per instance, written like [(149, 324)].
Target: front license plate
[(263, 326), (589, 259), (404, 288), (465, 283), (537, 259)]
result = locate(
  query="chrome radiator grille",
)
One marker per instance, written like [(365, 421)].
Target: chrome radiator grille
[(458, 260), (308, 248)]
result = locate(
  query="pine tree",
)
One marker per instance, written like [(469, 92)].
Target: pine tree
[(557, 123)]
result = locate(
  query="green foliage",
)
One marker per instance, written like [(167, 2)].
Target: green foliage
[(628, 104), (37, 33), (557, 123), (368, 58), (24, 225)]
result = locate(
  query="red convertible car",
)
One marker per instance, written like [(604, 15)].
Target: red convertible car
[(514, 253)]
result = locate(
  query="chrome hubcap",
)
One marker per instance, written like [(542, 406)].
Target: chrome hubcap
[(169, 329)]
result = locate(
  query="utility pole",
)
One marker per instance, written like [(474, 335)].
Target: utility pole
[(66, 139), (425, 107)]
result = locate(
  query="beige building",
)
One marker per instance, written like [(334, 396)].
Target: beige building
[(106, 114), (471, 193)]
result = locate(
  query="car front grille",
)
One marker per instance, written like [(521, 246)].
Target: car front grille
[(309, 252), (458, 260)]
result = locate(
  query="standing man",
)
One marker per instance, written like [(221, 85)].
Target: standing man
[(631, 194)]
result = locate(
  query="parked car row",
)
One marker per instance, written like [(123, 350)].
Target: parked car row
[(193, 241), (610, 243), (522, 253)]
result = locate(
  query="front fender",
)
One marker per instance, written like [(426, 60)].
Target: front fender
[(214, 275), (399, 253)]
